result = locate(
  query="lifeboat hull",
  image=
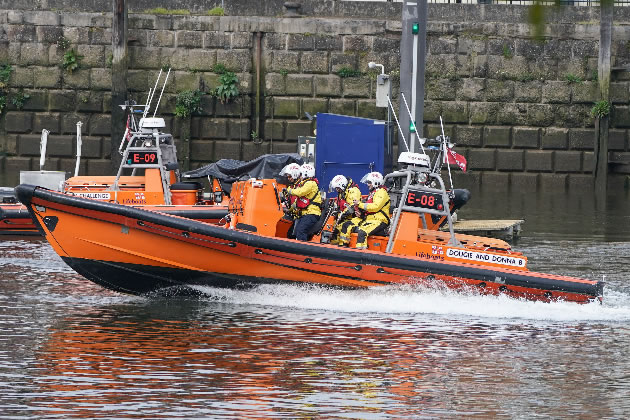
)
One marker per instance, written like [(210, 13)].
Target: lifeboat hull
[(16, 220), (136, 251)]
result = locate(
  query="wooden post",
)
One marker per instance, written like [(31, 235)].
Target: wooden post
[(603, 74), (120, 61)]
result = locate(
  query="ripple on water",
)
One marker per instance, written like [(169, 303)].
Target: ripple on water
[(69, 348)]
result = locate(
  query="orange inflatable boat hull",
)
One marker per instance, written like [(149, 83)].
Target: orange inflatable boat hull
[(137, 251)]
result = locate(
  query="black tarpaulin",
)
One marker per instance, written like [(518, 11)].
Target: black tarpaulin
[(228, 171)]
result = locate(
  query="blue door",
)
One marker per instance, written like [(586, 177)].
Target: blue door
[(350, 146)]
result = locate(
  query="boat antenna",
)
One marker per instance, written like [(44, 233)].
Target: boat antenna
[(151, 93), (445, 152), (161, 92), (402, 135), (412, 121), (79, 142)]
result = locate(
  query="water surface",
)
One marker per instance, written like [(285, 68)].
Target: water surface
[(69, 348)]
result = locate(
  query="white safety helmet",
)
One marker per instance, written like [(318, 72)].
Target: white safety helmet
[(307, 171), (338, 181), (291, 170), (374, 178)]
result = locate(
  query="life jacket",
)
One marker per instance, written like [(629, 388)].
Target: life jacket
[(370, 200), (291, 197), (341, 198), (302, 203)]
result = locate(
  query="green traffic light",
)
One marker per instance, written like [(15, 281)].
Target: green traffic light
[(415, 28), (412, 127)]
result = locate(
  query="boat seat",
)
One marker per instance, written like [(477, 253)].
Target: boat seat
[(186, 186), (317, 227)]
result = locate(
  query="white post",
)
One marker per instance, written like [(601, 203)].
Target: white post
[(42, 148), (76, 168)]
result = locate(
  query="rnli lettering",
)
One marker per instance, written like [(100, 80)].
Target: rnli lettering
[(483, 257), (132, 201), (138, 199), (94, 196), (428, 256)]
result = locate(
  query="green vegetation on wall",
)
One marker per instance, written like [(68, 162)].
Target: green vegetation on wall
[(71, 60), (600, 109), (5, 75), (164, 11), (217, 11), (228, 87), (188, 102), (348, 72)]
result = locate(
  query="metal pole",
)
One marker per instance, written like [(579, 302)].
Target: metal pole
[(421, 59), (412, 64)]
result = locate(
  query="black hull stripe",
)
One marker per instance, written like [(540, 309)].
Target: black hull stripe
[(509, 278), (14, 214), (143, 280)]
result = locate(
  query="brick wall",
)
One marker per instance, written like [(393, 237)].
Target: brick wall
[(506, 100)]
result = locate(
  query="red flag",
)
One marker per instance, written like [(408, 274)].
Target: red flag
[(127, 135), (455, 158)]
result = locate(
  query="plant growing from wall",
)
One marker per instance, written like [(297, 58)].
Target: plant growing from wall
[(164, 11), (188, 102), (507, 52), (5, 75), (19, 99), (63, 43), (600, 109), (228, 87), (572, 78), (216, 11), (348, 72), (71, 60), (219, 68)]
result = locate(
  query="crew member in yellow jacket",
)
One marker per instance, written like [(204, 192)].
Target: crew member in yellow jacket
[(293, 173), (347, 193), (376, 209), (308, 203)]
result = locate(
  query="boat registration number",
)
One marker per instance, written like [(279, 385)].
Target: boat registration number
[(425, 200), (142, 158)]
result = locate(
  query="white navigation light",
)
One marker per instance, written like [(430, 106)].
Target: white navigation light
[(416, 159)]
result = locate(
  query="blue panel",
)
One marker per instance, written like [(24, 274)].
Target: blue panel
[(350, 146)]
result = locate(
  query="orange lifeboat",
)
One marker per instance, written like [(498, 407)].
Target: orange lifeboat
[(136, 251)]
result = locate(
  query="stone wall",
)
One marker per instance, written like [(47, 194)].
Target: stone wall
[(519, 109)]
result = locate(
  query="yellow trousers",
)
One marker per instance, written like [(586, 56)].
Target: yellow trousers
[(344, 229), (369, 227)]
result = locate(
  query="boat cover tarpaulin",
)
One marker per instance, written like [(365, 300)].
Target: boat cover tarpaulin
[(228, 171)]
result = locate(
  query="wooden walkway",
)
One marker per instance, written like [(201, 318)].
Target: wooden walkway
[(504, 229)]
